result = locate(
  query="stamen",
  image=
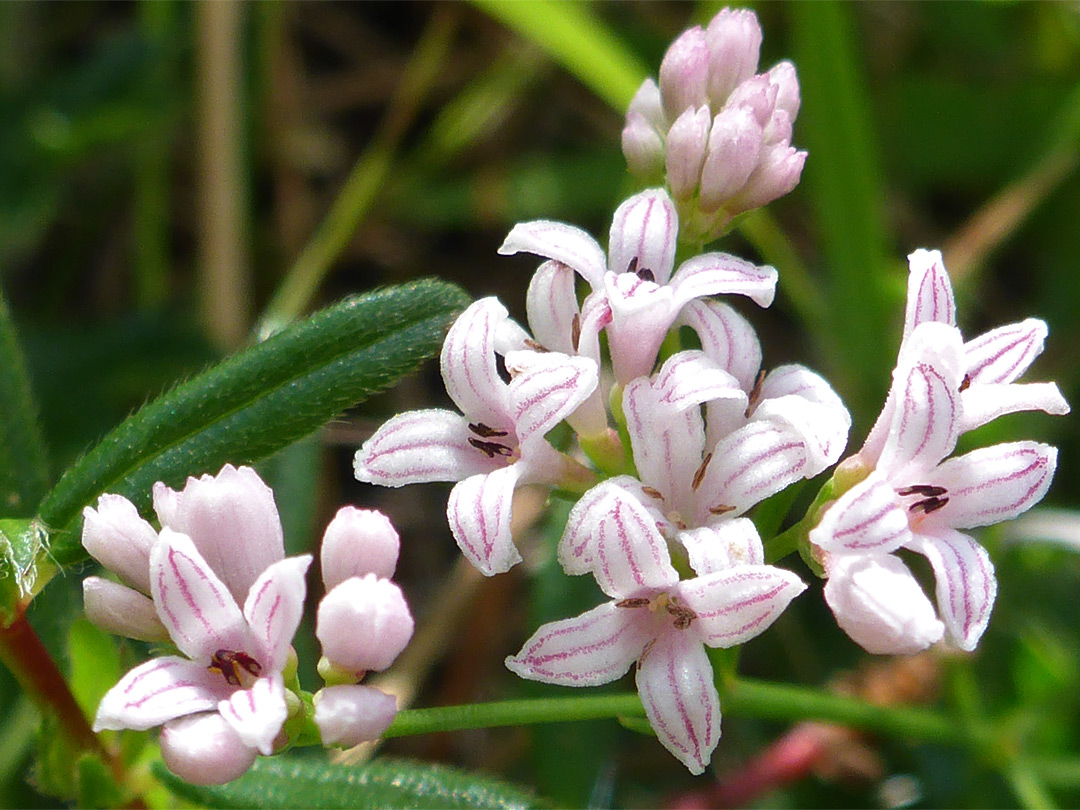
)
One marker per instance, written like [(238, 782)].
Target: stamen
[(482, 430), (721, 509), (229, 663), (653, 493), (575, 331), (646, 275), (755, 394), (492, 449), (929, 505), (966, 383), (536, 347), (633, 602), (699, 476), (684, 616), (928, 490)]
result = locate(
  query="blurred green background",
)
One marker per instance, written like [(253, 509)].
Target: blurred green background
[(178, 178)]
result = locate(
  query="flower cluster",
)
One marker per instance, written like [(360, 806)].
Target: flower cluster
[(229, 694), (913, 496)]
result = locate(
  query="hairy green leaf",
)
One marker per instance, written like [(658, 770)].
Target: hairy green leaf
[(258, 401), (282, 782)]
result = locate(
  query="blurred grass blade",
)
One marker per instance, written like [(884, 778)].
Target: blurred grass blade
[(280, 782), (259, 401), (575, 38), (23, 471), (843, 178)]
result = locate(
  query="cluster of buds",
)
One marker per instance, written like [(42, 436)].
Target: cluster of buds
[(719, 131), (214, 584)]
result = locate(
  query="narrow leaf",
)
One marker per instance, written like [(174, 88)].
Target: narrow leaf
[(281, 782), (258, 401)]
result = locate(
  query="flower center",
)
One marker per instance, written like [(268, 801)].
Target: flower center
[(238, 668), (931, 498), (682, 616), (486, 443)]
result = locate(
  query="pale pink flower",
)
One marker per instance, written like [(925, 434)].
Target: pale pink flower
[(917, 498), (636, 278), (661, 624), (497, 443)]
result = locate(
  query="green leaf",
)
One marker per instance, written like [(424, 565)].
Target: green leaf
[(282, 782), (259, 401)]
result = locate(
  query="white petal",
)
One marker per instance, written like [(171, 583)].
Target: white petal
[(563, 243), (591, 649), (867, 518), (479, 515), (122, 610), (966, 585), (194, 605), (675, 681), (358, 542), (421, 446), (231, 518), (349, 715), (546, 388), (641, 314), (646, 228), (727, 337), (992, 484), (273, 609), (159, 690), (1003, 354), (729, 542), (551, 305), (468, 365), (115, 536), (668, 445), (735, 605), (807, 402), (204, 750), (631, 555), (987, 401), (691, 378), (930, 295), (880, 605), (722, 273), (257, 714)]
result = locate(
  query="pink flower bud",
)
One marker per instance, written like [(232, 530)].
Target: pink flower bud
[(777, 173), (684, 73), (358, 542), (733, 153), (734, 41), (756, 94), (204, 750), (119, 539), (121, 610), (646, 103), (686, 143), (787, 98), (349, 715), (643, 148), (363, 624)]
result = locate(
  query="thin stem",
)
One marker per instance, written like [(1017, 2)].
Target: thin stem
[(1027, 786)]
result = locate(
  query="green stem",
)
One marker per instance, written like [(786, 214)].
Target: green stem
[(1027, 786)]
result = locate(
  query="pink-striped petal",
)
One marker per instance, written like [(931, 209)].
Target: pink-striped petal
[(930, 295), (563, 243), (987, 401), (479, 516), (691, 378), (589, 650), (468, 365), (727, 337), (1003, 354), (992, 484), (644, 234), (641, 314), (273, 609), (822, 429), (880, 605), (728, 543), (867, 518), (722, 273), (631, 556), (193, 603), (159, 690), (257, 714), (737, 604), (675, 681), (577, 547), (546, 388), (551, 305), (966, 585)]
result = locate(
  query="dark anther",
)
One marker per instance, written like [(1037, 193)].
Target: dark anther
[(684, 616), (536, 347), (755, 394), (644, 273), (632, 267), (633, 602), (721, 509), (492, 449), (929, 505), (485, 432), (653, 493), (928, 490), (228, 663), (966, 383), (699, 476), (575, 331)]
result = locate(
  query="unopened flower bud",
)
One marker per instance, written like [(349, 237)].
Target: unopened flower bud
[(121, 610), (363, 624), (684, 73), (786, 80), (733, 152), (358, 542), (643, 148), (203, 749), (350, 715), (734, 40), (119, 539), (778, 172), (686, 143)]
